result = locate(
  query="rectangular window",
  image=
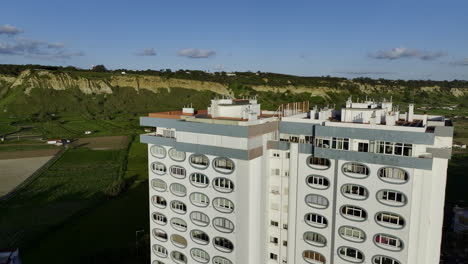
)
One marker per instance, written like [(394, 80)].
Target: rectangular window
[(274, 240), (363, 147), (340, 143), (274, 223), (322, 143), (273, 256)]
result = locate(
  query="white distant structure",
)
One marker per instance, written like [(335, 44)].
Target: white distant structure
[(88, 132), (234, 184), (57, 142)]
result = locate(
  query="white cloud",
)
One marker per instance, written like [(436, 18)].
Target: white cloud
[(146, 52), (57, 45), (399, 53), (196, 53), (39, 49), (9, 30)]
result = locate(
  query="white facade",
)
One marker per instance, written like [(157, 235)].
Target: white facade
[(321, 187)]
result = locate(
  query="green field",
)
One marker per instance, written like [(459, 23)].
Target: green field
[(68, 205), (76, 181), (25, 147)]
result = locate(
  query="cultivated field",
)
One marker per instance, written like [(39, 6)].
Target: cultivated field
[(102, 143), (17, 166), (15, 171), (78, 180)]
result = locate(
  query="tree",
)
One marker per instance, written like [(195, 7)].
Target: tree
[(99, 68)]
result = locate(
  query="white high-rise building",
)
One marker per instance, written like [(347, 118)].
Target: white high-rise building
[(237, 185)]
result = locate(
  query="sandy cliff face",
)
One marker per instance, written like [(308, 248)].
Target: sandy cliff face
[(59, 81), (29, 80), (154, 83)]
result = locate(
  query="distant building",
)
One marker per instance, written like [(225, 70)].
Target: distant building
[(58, 142), (10, 256), (459, 145), (88, 132), (234, 184), (230, 74), (123, 73), (54, 141)]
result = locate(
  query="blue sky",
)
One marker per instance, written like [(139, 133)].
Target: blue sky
[(389, 39)]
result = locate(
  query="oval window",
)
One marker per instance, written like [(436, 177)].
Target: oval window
[(318, 163), (390, 220), (313, 257), (176, 155), (388, 242), (354, 213), (352, 234), (158, 151), (178, 189), (199, 199), (179, 241), (178, 257), (199, 218), (316, 220), (316, 201), (200, 255), (179, 224), (223, 244), (223, 165), (315, 239), (199, 180), (177, 171), (355, 170), (351, 254), (393, 175), (158, 168), (221, 260), (159, 218), (354, 191), (223, 205), (391, 197), (158, 185), (223, 185), (223, 225), (160, 251), (178, 207), (199, 161), (159, 234), (384, 260), (159, 201), (199, 237), (317, 182)]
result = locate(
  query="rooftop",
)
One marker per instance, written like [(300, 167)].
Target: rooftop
[(355, 114)]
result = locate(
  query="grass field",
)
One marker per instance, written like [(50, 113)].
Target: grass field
[(74, 182), (25, 147), (107, 231)]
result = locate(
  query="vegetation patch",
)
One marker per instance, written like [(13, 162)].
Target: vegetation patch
[(73, 183)]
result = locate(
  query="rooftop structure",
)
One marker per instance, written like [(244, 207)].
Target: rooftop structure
[(237, 184)]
